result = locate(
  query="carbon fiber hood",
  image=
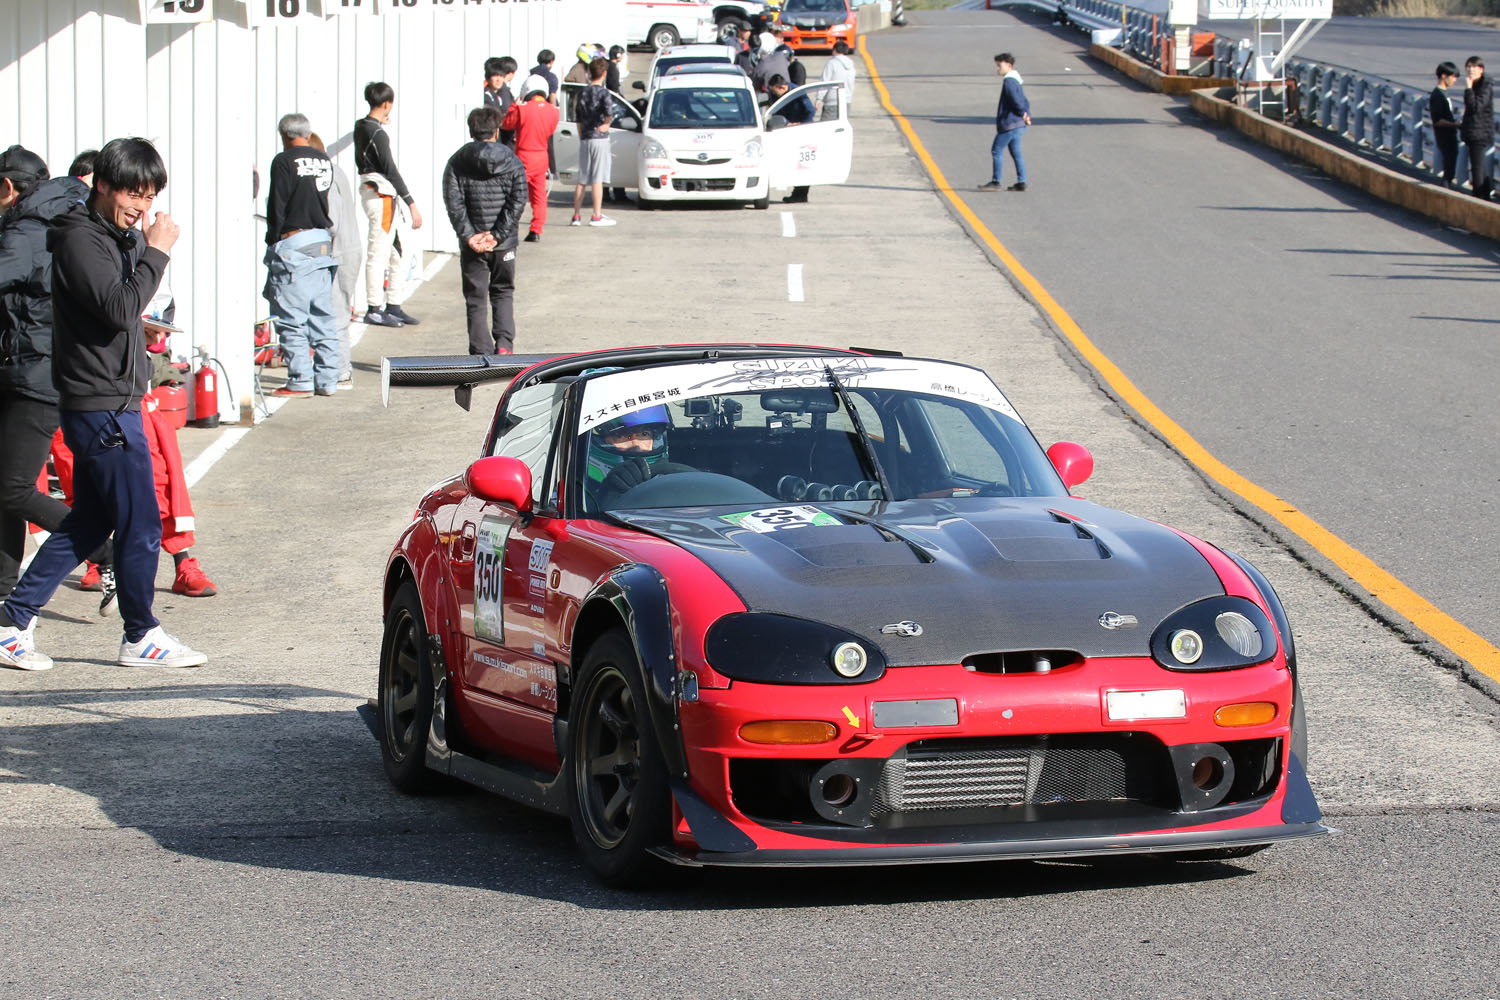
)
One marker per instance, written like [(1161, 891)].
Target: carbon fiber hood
[(979, 575)]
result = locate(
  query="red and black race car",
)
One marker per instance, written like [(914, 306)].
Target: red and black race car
[(762, 605)]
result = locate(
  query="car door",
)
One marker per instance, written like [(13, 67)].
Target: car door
[(565, 136), (625, 130), (820, 151), (502, 566)]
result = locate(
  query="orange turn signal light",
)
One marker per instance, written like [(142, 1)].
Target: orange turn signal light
[(1249, 713), (779, 732)]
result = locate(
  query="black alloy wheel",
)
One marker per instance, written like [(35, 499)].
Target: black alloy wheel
[(619, 800), (405, 694)]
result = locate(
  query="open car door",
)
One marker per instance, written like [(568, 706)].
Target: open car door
[(817, 150), (624, 139)]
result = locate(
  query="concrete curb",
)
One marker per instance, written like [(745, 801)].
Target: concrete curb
[(1154, 78), (1434, 201)]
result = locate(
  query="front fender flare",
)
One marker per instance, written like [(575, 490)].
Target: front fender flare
[(638, 594)]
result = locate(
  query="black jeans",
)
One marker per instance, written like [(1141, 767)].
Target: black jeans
[(1447, 144), (1479, 174), (489, 281), (26, 429)]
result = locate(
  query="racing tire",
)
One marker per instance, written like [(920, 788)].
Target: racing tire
[(761, 204), (618, 194), (662, 35), (730, 27), (619, 800), (404, 696)]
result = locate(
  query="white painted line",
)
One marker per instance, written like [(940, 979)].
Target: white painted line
[(435, 265), (794, 283), (198, 466), (788, 225)]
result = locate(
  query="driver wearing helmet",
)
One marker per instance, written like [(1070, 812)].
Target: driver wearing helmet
[(627, 451)]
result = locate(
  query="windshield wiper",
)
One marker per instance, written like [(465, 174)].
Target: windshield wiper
[(864, 438)]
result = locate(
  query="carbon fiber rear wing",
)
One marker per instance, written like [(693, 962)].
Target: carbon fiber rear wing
[(461, 372)]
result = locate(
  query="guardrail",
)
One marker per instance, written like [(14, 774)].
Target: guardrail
[(1370, 111)]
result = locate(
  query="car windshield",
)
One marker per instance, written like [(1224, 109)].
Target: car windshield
[(776, 429), (667, 64), (818, 6), (703, 107)]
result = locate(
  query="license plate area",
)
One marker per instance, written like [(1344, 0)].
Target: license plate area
[(921, 712)]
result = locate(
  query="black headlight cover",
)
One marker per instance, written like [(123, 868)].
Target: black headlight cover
[(1217, 654), (780, 649)]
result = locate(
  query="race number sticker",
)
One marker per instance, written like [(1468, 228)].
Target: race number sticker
[(781, 518), (807, 157), (489, 580)]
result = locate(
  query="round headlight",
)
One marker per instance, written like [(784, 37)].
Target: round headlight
[(1186, 645), (849, 659), (1238, 631), (653, 150)]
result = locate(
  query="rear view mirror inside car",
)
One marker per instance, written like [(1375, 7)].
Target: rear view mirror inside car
[(799, 401)]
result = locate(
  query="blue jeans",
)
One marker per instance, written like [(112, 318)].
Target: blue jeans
[(299, 286), (1011, 139), (113, 490)]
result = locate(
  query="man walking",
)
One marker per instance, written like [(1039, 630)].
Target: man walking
[(1011, 118), (387, 203), (1478, 128), (299, 261), (484, 190), (102, 279), (593, 119), (533, 119)]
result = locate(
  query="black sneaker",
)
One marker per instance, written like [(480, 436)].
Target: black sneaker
[(379, 317), (533, 238), (1019, 186), (107, 588), (402, 315), (990, 186)]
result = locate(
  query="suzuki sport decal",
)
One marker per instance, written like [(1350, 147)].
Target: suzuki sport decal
[(606, 397), (489, 577)]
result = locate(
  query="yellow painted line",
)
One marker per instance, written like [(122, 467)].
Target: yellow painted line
[(1462, 641)]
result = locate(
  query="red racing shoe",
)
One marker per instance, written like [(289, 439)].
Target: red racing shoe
[(191, 582), (90, 579)]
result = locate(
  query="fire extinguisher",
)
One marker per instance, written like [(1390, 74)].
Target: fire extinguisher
[(205, 397)]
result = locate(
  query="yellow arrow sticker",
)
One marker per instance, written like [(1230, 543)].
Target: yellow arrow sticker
[(853, 719)]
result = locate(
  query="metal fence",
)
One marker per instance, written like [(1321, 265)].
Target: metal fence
[(1369, 111)]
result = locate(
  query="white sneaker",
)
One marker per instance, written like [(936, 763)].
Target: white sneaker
[(576, 221), (601, 220), (158, 649), (18, 648)]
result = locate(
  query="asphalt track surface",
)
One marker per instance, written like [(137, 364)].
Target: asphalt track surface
[(228, 832), (1329, 347)]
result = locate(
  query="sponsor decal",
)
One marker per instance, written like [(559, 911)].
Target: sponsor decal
[(905, 628), (1114, 620)]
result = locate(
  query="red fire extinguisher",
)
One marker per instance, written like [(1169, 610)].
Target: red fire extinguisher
[(205, 397)]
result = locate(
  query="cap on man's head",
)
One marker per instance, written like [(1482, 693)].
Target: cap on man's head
[(535, 84), (18, 160)]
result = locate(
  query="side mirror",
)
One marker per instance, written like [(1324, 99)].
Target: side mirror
[(501, 479), (775, 122), (639, 85), (1072, 461)]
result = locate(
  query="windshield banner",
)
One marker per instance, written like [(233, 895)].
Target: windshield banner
[(606, 397)]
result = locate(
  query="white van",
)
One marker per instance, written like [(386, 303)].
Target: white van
[(660, 23), (703, 138)]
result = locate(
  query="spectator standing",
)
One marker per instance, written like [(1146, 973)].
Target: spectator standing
[(29, 202), (798, 112), (387, 204), (299, 261), (840, 69), (594, 114), (498, 73), (543, 69), (579, 71), (102, 278), (484, 190), (1478, 128), (82, 166), (1444, 121), (1012, 116), (533, 119), (618, 71), (348, 254)]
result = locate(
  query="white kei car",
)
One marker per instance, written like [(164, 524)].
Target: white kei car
[(676, 56), (704, 138)]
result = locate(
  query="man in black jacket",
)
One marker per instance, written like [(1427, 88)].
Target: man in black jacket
[(1478, 128), (102, 279), (28, 402), (484, 190)]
